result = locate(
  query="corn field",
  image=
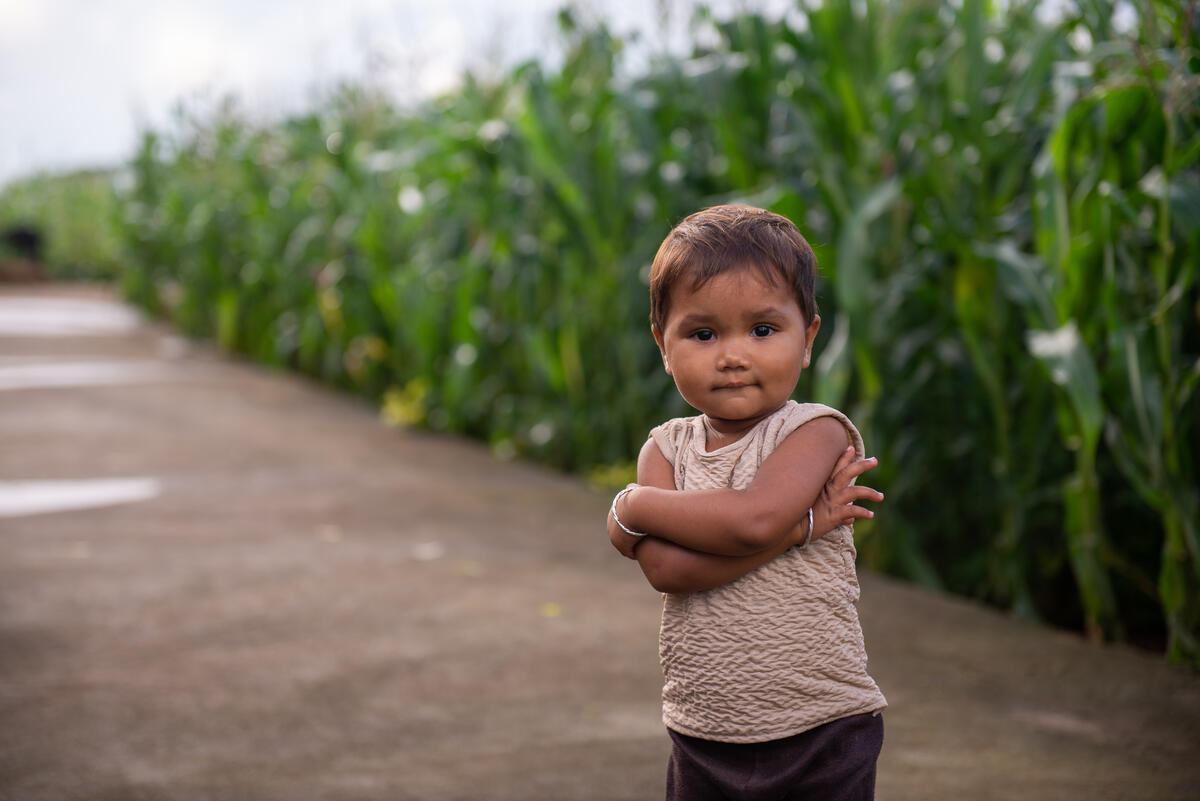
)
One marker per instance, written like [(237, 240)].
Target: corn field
[(1006, 209), (78, 214)]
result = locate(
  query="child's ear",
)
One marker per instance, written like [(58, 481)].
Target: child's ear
[(810, 336), (658, 338)]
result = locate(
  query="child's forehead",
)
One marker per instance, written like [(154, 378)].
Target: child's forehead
[(694, 279), (723, 289)]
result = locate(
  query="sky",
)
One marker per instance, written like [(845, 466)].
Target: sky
[(80, 78)]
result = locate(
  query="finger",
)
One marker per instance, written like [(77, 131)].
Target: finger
[(855, 493), (856, 513), (843, 476), (844, 461), (622, 544)]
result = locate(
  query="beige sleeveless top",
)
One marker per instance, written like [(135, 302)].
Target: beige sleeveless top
[(780, 650)]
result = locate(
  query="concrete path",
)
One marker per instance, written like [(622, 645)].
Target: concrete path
[(218, 582)]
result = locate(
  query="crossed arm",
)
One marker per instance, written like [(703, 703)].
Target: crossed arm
[(705, 538)]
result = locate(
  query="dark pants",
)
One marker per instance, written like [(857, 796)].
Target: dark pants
[(833, 762)]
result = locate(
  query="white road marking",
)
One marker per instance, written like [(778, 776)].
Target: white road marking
[(47, 375), (20, 498), (61, 317)]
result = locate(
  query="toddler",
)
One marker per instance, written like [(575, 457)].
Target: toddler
[(766, 692)]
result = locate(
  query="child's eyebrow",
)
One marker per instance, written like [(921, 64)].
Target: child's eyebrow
[(700, 318), (769, 311), (696, 318)]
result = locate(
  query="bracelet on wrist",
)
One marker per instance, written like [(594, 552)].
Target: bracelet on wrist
[(807, 537), (613, 511)]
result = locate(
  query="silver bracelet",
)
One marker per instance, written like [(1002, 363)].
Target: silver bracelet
[(807, 536), (613, 510)]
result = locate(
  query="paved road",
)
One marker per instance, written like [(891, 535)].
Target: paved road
[(219, 582)]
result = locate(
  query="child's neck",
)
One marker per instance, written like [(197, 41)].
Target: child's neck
[(719, 433)]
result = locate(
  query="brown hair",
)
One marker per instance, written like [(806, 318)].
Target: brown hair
[(724, 238)]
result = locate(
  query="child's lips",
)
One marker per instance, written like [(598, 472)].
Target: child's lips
[(734, 385)]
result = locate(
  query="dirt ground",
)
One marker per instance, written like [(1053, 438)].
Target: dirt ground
[(263, 593)]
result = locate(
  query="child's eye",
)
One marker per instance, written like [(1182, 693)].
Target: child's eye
[(703, 335), (762, 331)]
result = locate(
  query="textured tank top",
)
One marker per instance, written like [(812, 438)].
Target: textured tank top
[(780, 650)]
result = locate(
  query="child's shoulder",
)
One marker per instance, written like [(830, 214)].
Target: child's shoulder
[(673, 435), (794, 410), (794, 414)]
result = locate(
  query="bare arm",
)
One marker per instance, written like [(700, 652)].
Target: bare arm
[(673, 568), (731, 522)]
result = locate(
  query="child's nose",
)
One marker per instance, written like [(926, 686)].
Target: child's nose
[(732, 357)]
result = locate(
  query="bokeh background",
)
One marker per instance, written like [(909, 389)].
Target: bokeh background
[(1004, 198)]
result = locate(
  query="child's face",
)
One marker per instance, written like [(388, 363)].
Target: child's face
[(735, 346)]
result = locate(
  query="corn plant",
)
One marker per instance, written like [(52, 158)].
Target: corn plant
[(1118, 204), (76, 215), (1005, 210)]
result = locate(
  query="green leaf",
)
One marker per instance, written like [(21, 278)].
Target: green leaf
[(852, 275), (1069, 365), (833, 365), (227, 319), (1025, 280)]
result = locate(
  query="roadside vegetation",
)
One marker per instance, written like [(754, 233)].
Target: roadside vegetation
[(1006, 209), (77, 220)]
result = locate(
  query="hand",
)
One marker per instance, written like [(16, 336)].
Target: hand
[(625, 543), (835, 506)]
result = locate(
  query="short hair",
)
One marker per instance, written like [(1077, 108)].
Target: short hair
[(731, 237)]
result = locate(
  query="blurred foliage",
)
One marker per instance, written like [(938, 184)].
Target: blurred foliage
[(78, 217), (1006, 209)]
